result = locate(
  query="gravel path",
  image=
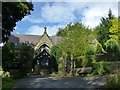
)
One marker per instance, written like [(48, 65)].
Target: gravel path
[(51, 82)]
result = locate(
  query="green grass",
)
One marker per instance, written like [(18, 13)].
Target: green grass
[(113, 82), (8, 83)]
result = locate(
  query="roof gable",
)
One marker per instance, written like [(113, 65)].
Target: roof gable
[(45, 39)]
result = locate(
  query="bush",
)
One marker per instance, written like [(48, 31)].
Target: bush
[(113, 50), (89, 55), (17, 74), (87, 62), (99, 68), (112, 46), (8, 83), (113, 82), (90, 50), (99, 48)]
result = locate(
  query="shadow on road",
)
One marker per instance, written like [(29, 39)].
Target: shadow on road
[(36, 81)]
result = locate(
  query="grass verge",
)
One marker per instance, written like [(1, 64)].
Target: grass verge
[(8, 83)]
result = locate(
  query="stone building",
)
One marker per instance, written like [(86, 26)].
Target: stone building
[(42, 46)]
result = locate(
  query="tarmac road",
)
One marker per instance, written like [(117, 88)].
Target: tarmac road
[(37, 81)]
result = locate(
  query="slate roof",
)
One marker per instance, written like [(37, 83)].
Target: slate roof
[(21, 38)]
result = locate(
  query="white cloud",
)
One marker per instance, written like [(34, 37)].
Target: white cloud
[(57, 14), (93, 14), (35, 30), (38, 30), (52, 30), (75, 0), (15, 27), (63, 13)]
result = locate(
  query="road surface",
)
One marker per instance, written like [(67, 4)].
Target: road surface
[(37, 81)]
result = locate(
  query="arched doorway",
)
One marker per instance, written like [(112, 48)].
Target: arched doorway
[(42, 60)]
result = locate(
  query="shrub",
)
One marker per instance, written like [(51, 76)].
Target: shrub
[(88, 60), (99, 68), (89, 55), (8, 83), (99, 48), (112, 46), (90, 50), (113, 82), (113, 49)]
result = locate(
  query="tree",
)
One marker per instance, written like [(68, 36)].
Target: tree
[(114, 29), (112, 46), (13, 12), (89, 55), (8, 56), (113, 49), (25, 56), (75, 37), (103, 29), (119, 30), (56, 52), (17, 57)]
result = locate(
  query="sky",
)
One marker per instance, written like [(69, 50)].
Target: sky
[(55, 15)]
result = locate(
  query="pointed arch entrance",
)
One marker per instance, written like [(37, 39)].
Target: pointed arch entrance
[(43, 60)]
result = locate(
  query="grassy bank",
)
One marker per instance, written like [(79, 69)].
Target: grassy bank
[(8, 83)]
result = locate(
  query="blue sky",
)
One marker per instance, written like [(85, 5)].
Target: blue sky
[(56, 15)]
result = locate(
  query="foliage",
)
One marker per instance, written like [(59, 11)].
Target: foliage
[(77, 38), (89, 55), (8, 51), (90, 50), (8, 83), (114, 29), (56, 51), (99, 68), (17, 57), (53, 64), (24, 53), (113, 82), (74, 38), (99, 48), (112, 46), (102, 30), (119, 30), (13, 12), (78, 61)]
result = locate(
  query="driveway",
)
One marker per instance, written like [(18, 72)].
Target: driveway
[(37, 81)]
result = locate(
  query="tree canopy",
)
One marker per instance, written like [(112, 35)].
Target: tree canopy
[(75, 37), (114, 29), (13, 12), (102, 30)]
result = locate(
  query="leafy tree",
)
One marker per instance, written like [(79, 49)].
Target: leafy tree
[(25, 56), (53, 64), (8, 56), (13, 12), (89, 55), (55, 56), (112, 46), (77, 38), (119, 30), (17, 57), (113, 49), (114, 29), (56, 52), (103, 29), (74, 38)]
